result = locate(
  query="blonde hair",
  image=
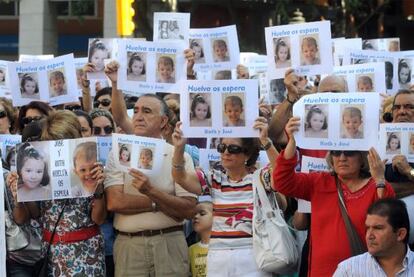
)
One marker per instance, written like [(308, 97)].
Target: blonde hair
[(61, 124), (88, 149)]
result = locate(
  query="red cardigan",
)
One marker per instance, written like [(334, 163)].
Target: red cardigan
[(329, 241)]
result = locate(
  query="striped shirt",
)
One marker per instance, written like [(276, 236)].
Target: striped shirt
[(365, 265), (232, 211)]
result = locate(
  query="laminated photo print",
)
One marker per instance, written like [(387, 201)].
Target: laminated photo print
[(143, 153), (299, 46), (219, 108), (396, 139), (338, 121), (382, 44), (99, 50), (215, 48), (52, 81), (171, 27), (150, 67), (5, 89)]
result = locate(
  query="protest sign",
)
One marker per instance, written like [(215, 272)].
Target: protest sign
[(99, 50), (338, 121), (143, 153), (396, 139), (4, 79), (171, 27), (56, 169), (8, 149), (209, 158), (79, 64), (219, 108), (23, 58), (299, 46), (382, 44), (3, 252), (52, 81), (341, 44), (403, 69), (150, 66), (215, 48), (104, 147)]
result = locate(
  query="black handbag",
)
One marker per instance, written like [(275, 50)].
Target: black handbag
[(40, 267)]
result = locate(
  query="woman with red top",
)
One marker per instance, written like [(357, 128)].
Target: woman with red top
[(361, 177)]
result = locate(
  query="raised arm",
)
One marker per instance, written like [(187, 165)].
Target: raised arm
[(86, 90), (98, 214), (119, 111), (261, 125)]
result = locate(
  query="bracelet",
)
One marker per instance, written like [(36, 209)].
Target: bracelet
[(291, 102), (179, 167), (267, 145), (381, 185)]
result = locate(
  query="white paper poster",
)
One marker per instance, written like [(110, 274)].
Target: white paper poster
[(209, 158), (52, 81), (104, 147), (143, 153), (338, 121), (23, 58), (99, 50), (79, 64), (341, 44), (171, 27), (150, 66), (215, 48), (3, 252), (397, 139), (382, 44), (8, 148), (219, 108), (299, 46), (4, 79)]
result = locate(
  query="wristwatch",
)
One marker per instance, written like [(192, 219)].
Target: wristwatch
[(98, 194), (380, 185), (267, 145)]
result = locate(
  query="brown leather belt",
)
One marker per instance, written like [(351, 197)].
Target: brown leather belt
[(150, 233)]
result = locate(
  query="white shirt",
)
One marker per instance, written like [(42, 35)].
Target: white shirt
[(365, 265)]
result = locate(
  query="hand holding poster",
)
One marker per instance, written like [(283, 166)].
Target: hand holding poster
[(215, 48), (338, 121), (171, 27), (145, 154), (219, 108), (99, 50), (150, 67), (299, 46), (397, 139)]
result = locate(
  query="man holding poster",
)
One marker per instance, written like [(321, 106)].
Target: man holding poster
[(149, 211)]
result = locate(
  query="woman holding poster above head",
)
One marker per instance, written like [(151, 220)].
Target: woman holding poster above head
[(357, 176), (231, 245), (77, 247)]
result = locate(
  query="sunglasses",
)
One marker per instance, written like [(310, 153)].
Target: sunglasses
[(73, 107), (107, 129), (3, 114), (231, 148), (337, 153), (29, 119), (104, 102)]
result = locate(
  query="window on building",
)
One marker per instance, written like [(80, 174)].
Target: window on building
[(9, 8), (77, 8)]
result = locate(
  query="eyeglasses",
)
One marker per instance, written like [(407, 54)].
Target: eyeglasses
[(104, 102), (3, 114), (231, 148), (107, 129), (29, 119), (73, 107), (337, 153), (405, 106)]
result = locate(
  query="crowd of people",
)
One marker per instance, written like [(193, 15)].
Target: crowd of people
[(186, 221)]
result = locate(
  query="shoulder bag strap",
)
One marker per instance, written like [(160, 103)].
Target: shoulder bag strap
[(357, 246), (54, 231)]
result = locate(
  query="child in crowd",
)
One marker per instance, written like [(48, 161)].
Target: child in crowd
[(197, 47), (200, 114), (310, 52), (316, 123), (202, 223), (351, 122), (404, 74), (33, 184), (124, 155), (57, 83), (2, 75), (393, 144), (98, 52), (220, 51), (136, 68), (145, 159), (84, 159), (29, 87), (282, 53), (365, 84), (165, 70), (233, 109)]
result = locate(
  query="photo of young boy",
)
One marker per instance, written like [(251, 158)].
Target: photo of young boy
[(220, 50), (365, 83), (145, 158), (352, 121), (309, 54), (233, 107), (84, 159), (29, 87), (165, 68), (57, 84)]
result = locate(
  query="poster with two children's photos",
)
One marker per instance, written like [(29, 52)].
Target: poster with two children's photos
[(150, 66), (56, 169), (142, 153), (171, 27), (215, 48), (52, 81), (219, 108), (338, 121), (382, 44), (4, 79), (396, 139), (300, 46)]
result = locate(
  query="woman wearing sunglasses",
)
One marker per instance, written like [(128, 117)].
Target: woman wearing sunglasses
[(34, 111), (7, 116), (103, 124), (102, 99), (359, 175), (230, 249)]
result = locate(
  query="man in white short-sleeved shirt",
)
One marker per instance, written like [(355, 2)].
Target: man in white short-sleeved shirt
[(149, 211)]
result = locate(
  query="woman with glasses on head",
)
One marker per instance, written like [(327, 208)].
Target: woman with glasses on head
[(103, 124), (33, 111), (102, 99), (231, 246), (356, 175)]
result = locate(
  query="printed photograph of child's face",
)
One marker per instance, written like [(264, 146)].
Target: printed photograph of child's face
[(84, 159), (310, 50), (29, 87), (220, 50), (277, 91), (393, 143), (411, 145), (352, 121), (57, 83), (145, 158), (165, 69), (233, 107), (197, 46), (136, 70), (124, 154), (316, 121), (365, 82), (99, 50), (281, 48)]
